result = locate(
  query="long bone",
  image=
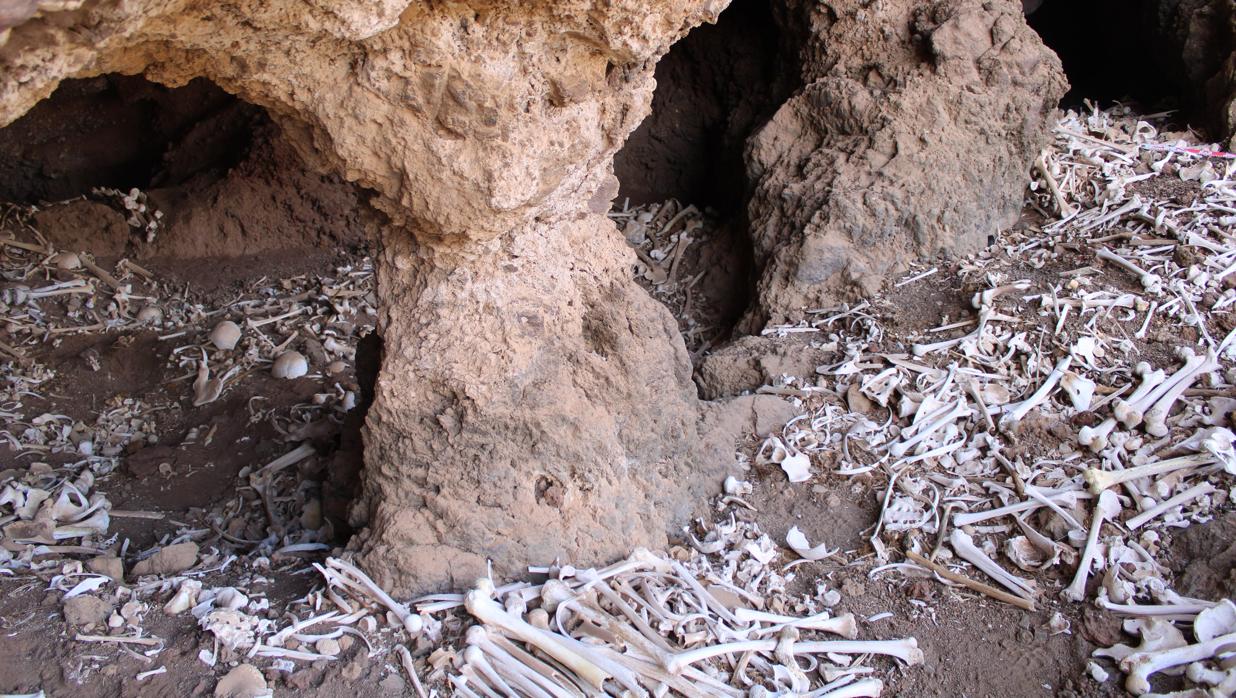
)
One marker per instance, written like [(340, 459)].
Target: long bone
[(476, 659), (951, 414), (1106, 508), (1153, 283), (1097, 438), (1014, 413), (338, 572), (1142, 665), (1156, 416), (970, 518), (1188, 609), (640, 638), (984, 298), (905, 649), (480, 603), (1188, 495), (510, 656), (867, 688), (1129, 411), (1099, 480), (1133, 412), (964, 546), (843, 625)]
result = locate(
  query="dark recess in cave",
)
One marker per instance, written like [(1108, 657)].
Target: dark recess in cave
[(715, 87), (239, 205), (1154, 54), (121, 132)]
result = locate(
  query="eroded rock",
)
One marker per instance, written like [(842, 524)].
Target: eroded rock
[(911, 137), (169, 560)]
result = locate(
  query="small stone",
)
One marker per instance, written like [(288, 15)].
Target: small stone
[(107, 565), (327, 646), (245, 681), (169, 560), (86, 610), (851, 588)]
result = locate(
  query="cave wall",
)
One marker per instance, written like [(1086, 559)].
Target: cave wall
[(912, 137), (532, 401)]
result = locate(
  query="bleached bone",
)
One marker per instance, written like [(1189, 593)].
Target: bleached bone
[(866, 688), (1079, 389), (515, 660), (970, 518), (843, 625), (905, 649), (1097, 438), (984, 298), (1167, 505), (1217, 620), (1142, 665), (1106, 508), (1223, 683), (96, 523), (1129, 411), (476, 659), (480, 603), (1141, 331), (965, 548), (1156, 416), (1153, 283), (186, 596), (1153, 610), (1156, 633), (1015, 413), (951, 414), (339, 572), (1099, 480)]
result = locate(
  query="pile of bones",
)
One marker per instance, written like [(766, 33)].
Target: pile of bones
[(1039, 434)]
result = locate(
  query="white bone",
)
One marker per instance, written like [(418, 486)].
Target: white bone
[(1099, 480), (480, 603), (1080, 390), (1129, 411), (1097, 438), (1187, 496), (970, 518), (1156, 633), (1106, 508), (951, 414), (905, 649), (1142, 665), (185, 598), (1151, 282), (984, 298), (965, 548), (1015, 413), (843, 625), (1156, 416), (866, 688)]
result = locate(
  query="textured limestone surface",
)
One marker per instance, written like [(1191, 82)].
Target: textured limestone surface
[(911, 137), (532, 401)]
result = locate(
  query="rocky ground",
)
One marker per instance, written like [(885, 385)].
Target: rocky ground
[(174, 513)]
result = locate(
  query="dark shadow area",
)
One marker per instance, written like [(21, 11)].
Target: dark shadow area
[(715, 87), (1155, 54), (121, 132)]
